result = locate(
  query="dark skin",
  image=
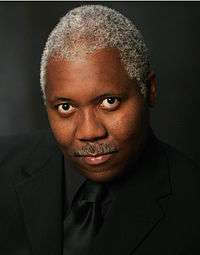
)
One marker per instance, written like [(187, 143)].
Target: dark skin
[(91, 101)]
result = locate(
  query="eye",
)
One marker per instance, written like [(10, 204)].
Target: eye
[(65, 108), (110, 103)]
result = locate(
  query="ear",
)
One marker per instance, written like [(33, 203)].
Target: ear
[(152, 89)]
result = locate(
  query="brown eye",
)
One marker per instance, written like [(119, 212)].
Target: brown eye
[(65, 108), (110, 103)]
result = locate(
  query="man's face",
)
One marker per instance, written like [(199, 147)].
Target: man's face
[(96, 112)]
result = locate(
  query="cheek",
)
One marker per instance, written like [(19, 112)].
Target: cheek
[(62, 129), (127, 124)]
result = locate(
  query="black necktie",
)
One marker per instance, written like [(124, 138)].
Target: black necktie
[(85, 219)]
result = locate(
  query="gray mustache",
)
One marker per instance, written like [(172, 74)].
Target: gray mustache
[(95, 149)]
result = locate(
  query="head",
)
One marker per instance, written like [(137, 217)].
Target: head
[(97, 85)]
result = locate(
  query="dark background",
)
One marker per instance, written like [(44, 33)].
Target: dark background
[(171, 31)]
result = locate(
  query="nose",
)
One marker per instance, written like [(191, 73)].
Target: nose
[(90, 128)]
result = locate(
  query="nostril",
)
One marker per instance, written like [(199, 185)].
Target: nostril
[(92, 138)]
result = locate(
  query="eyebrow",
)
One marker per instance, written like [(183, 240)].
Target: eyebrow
[(100, 97), (63, 99), (60, 99)]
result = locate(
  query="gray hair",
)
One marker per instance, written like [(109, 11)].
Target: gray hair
[(91, 27)]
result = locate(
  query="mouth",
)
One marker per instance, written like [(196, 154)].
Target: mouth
[(96, 159)]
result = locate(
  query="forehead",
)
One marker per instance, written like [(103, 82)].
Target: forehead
[(98, 71)]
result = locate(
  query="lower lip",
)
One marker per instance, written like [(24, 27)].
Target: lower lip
[(97, 160)]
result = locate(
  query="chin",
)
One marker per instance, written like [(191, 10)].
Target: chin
[(101, 175)]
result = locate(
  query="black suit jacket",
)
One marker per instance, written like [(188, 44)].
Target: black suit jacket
[(156, 212)]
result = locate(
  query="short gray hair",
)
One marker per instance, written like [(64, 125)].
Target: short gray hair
[(91, 27)]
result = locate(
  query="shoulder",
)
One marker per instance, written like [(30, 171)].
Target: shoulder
[(182, 169), (23, 143), (183, 206), (17, 150)]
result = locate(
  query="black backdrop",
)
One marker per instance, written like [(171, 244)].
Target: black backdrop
[(171, 31)]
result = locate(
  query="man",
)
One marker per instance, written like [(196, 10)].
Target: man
[(104, 184)]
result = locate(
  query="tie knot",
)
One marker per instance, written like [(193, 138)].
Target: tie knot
[(91, 192)]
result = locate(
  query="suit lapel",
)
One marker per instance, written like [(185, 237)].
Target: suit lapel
[(40, 198), (137, 208)]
